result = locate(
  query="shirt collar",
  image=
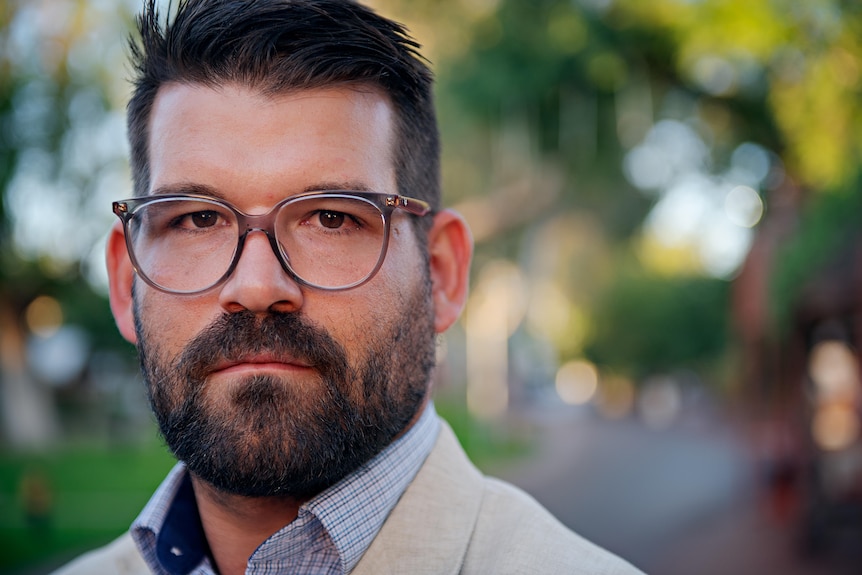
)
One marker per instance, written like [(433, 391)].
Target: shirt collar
[(353, 510), (170, 537)]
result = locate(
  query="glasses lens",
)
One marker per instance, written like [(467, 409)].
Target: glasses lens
[(331, 241), (183, 245)]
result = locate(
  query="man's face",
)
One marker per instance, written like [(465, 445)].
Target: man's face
[(261, 386)]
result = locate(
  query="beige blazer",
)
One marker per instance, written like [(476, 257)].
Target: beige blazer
[(450, 520)]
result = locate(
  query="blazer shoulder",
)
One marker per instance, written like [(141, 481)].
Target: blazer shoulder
[(120, 557), (515, 534), (454, 520)]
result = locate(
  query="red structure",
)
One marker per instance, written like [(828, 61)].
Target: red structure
[(801, 383)]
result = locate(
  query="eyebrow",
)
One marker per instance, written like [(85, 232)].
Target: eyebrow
[(206, 190), (188, 188), (338, 186)]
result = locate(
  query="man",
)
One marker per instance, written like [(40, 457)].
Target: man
[(284, 269)]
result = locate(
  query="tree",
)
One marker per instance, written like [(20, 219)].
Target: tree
[(59, 159), (546, 105)]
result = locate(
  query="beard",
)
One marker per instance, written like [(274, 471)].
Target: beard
[(275, 436)]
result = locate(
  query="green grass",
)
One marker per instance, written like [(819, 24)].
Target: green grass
[(95, 493), (487, 443)]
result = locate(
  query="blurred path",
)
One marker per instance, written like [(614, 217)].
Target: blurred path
[(673, 502)]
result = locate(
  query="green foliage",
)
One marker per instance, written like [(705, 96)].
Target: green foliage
[(81, 304), (549, 73), (647, 324), (829, 227), (799, 63)]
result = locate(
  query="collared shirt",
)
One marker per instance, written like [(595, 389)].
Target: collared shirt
[(329, 535)]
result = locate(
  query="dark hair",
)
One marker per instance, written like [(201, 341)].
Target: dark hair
[(277, 46)]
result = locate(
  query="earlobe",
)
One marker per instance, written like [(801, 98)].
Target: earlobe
[(121, 277), (450, 247)]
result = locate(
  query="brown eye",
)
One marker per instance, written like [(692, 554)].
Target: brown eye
[(331, 220), (204, 219)]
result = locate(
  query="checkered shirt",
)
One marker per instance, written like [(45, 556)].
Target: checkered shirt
[(329, 535)]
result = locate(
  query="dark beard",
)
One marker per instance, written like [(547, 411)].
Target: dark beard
[(274, 438)]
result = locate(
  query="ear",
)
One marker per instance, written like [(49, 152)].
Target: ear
[(121, 277), (450, 248)]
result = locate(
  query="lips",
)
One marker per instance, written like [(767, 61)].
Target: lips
[(260, 361)]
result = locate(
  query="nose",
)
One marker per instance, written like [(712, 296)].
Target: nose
[(259, 283)]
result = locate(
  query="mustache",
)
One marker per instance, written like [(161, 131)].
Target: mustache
[(235, 335)]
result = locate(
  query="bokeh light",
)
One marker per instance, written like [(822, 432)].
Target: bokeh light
[(835, 426), (44, 316), (577, 382)]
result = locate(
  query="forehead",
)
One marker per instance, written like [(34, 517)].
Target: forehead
[(235, 139)]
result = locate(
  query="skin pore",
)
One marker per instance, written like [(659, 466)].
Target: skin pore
[(359, 358)]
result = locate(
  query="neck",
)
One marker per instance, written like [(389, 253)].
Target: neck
[(235, 525)]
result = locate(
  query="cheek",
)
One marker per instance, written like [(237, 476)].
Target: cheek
[(404, 264), (360, 319), (171, 322), (353, 318)]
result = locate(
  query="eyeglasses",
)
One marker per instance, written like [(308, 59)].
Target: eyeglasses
[(331, 240)]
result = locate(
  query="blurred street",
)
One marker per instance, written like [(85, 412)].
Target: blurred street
[(674, 501)]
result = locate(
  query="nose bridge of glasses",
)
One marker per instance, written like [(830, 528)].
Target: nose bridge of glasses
[(258, 222), (264, 223)]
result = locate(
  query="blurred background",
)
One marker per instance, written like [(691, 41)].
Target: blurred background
[(661, 344)]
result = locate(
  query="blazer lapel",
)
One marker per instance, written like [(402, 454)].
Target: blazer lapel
[(429, 529)]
